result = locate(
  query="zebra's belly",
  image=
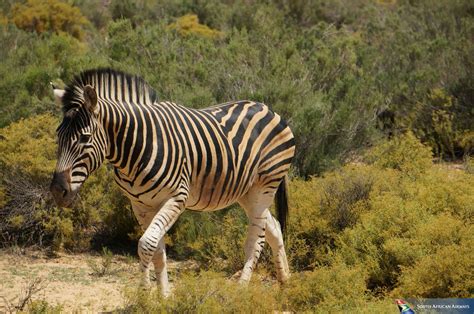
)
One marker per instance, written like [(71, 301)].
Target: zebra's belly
[(209, 199), (211, 195), (202, 197)]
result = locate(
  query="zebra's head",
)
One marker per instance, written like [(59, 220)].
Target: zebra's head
[(81, 142)]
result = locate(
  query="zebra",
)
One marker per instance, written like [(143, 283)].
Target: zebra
[(168, 158)]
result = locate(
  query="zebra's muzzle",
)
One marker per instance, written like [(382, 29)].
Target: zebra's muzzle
[(61, 189)]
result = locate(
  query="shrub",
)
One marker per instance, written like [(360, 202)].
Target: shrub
[(405, 153), (30, 62), (336, 288), (446, 273), (104, 267), (51, 15), (345, 195), (414, 220), (213, 239), (189, 25), (207, 292)]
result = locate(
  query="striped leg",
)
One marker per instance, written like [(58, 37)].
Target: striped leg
[(144, 216), (262, 226), (159, 261), (253, 245), (256, 207), (275, 240), (151, 245)]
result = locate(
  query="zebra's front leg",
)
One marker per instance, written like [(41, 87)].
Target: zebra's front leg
[(161, 270), (149, 243)]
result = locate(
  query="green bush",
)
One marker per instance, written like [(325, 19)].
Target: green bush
[(214, 239), (399, 214), (328, 69)]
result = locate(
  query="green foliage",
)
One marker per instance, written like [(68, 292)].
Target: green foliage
[(468, 164), (30, 63), (327, 69), (326, 290), (446, 273), (51, 15), (408, 223), (214, 239)]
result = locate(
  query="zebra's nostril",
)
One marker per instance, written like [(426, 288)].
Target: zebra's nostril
[(64, 192)]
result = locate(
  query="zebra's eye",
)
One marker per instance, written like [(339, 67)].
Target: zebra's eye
[(84, 138)]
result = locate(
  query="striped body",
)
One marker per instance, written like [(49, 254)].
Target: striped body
[(168, 157), (218, 153)]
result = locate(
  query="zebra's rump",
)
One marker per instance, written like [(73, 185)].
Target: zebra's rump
[(256, 150)]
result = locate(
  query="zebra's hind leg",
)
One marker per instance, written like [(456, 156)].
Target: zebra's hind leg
[(253, 246), (262, 227), (256, 207), (275, 240)]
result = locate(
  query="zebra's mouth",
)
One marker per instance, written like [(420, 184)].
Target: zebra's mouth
[(61, 189), (65, 202)]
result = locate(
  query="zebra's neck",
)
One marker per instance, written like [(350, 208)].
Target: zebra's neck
[(126, 126)]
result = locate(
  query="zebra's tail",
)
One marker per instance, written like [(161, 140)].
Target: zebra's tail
[(281, 204)]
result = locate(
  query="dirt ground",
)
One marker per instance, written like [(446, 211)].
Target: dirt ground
[(71, 281)]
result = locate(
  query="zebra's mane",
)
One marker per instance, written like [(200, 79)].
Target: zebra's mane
[(109, 84)]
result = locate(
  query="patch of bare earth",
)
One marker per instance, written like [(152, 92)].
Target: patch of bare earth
[(66, 280)]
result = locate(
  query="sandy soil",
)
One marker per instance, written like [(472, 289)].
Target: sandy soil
[(66, 280)]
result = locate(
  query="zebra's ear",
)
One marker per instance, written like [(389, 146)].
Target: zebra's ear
[(58, 94), (90, 98)]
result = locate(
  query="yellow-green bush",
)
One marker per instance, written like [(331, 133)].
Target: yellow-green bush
[(405, 153), (446, 273), (214, 239), (469, 164), (50, 15), (28, 146), (404, 214), (336, 288), (189, 25), (207, 292)]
